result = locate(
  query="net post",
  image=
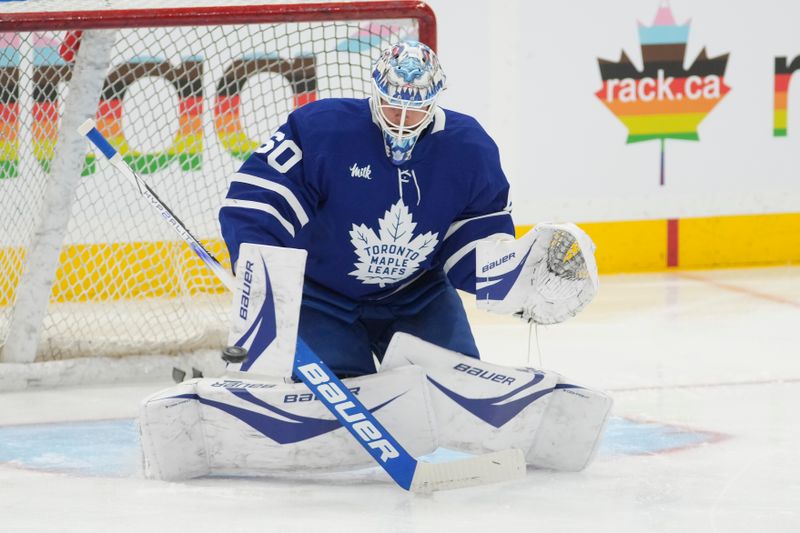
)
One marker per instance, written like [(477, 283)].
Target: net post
[(36, 284)]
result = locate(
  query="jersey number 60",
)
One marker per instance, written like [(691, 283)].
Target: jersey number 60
[(282, 146)]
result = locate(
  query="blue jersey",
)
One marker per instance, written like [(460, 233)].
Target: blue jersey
[(323, 183)]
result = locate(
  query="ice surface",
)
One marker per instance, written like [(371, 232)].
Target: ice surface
[(703, 368)]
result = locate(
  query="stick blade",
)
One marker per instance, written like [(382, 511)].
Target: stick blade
[(493, 467)]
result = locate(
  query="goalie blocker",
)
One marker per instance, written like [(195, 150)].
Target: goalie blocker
[(265, 310)]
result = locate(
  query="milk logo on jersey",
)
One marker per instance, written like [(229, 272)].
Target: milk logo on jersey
[(361, 172), (394, 253)]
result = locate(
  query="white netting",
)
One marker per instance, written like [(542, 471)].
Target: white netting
[(184, 105)]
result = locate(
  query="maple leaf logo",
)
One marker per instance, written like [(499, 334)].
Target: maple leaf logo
[(664, 100), (394, 253)]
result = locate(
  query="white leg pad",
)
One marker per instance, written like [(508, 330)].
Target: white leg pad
[(247, 427), (571, 431), (173, 444), (482, 407)]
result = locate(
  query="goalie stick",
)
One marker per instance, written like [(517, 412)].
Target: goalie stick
[(88, 130), (405, 470)]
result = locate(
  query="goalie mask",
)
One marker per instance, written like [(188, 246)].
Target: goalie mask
[(406, 82)]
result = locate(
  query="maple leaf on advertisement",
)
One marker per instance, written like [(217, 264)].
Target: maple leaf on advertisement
[(664, 100), (394, 253)]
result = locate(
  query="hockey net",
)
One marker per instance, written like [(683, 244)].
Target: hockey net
[(187, 93)]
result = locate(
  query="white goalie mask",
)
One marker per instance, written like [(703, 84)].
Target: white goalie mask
[(406, 82)]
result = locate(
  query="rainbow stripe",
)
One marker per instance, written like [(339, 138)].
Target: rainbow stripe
[(299, 72), (228, 123), (783, 75), (663, 101), (9, 108), (9, 143), (186, 147)]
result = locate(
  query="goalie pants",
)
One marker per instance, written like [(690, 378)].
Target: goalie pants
[(346, 333)]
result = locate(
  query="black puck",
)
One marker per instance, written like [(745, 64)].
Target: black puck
[(177, 374), (234, 354)]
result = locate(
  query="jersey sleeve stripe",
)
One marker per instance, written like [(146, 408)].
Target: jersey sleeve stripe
[(455, 226), (282, 190), (266, 208), (464, 250)]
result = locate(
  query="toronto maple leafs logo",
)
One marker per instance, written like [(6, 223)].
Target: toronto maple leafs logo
[(394, 253)]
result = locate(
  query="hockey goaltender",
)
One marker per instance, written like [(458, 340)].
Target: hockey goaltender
[(350, 230)]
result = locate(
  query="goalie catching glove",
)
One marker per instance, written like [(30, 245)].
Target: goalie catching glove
[(546, 277)]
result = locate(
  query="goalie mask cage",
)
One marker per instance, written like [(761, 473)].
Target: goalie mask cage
[(184, 93)]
